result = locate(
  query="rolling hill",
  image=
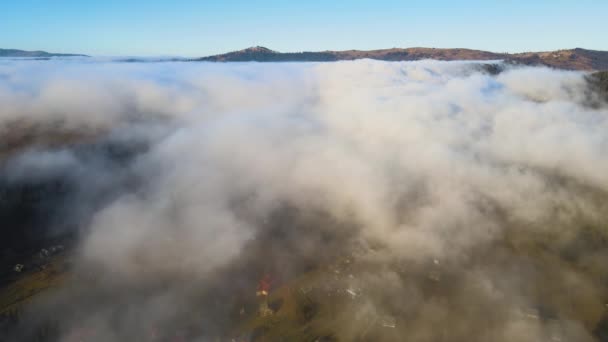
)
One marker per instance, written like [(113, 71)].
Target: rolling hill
[(35, 54), (573, 59)]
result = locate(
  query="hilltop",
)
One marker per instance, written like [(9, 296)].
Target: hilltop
[(573, 59)]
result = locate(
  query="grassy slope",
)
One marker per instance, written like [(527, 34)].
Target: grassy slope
[(28, 285)]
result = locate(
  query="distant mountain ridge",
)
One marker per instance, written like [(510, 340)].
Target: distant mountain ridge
[(569, 59), (572, 59), (34, 54)]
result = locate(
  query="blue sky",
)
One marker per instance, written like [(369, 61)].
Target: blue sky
[(203, 27)]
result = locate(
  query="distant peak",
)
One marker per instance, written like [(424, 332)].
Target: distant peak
[(259, 49)]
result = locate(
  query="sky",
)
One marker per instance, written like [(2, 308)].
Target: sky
[(203, 27)]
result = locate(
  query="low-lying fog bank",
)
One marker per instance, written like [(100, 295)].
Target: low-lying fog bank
[(184, 184)]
